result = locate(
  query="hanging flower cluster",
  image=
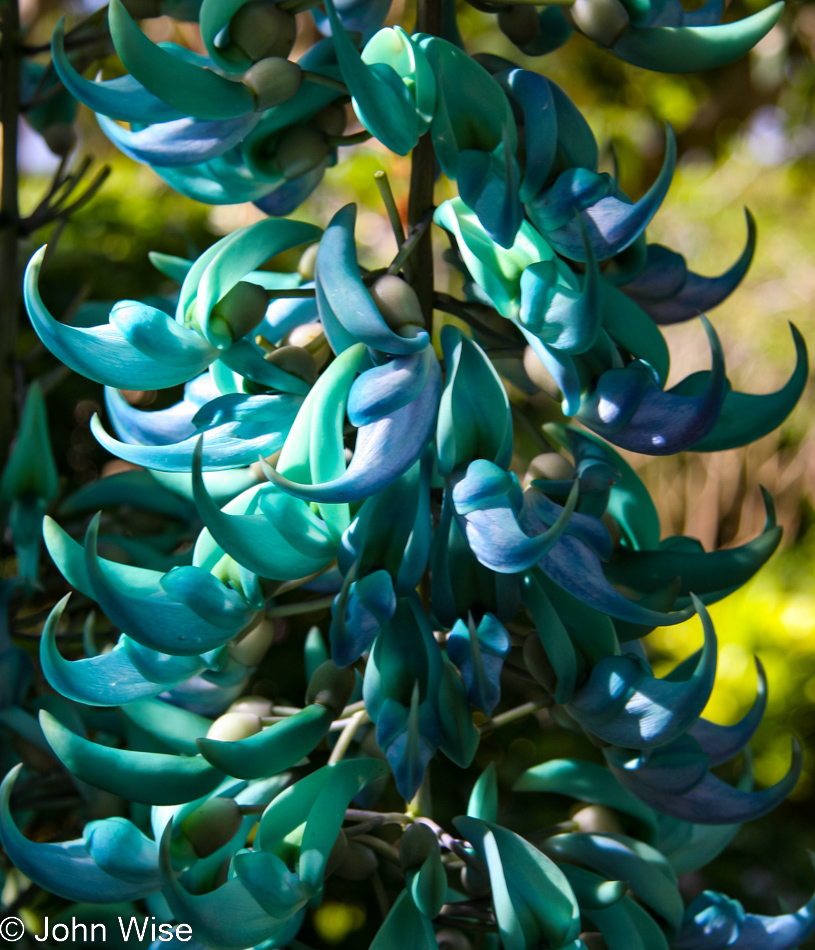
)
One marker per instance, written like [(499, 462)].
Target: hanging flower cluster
[(331, 442)]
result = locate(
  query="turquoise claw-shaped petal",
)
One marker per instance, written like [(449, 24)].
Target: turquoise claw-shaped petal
[(109, 353), (123, 98), (681, 49), (238, 428), (69, 869), (479, 652), (181, 84), (108, 679), (149, 777), (184, 141)]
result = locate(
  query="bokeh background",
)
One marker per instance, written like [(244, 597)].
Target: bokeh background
[(746, 137)]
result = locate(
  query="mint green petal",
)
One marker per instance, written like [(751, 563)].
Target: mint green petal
[(381, 99), (495, 269), (104, 354), (394, 47), (683, 49), (746, 417), (242, 253), (483, 801), (198, 92), (325, 820), (252, 539), (174, 726), (291, 808), (272, 750), (474, 415), (228, 918), (404, 928), (590, 783), (148, 777)]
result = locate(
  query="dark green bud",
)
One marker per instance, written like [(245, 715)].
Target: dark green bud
[(260, 29), (550, 465), (593, 941), (212, 825), (358, 863), (519, 24), (295, 360), (60, 138), (473, 883), (300, 149), (396, 300), (331, 686), (273, 81), (332, 119), (416, 845), (240, 311)]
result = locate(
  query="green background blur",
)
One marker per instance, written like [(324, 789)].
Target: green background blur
[(746, 137)]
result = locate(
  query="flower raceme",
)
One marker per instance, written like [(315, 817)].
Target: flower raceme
[(338, 449)]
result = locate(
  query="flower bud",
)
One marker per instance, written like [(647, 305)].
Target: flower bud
[(295, 360), (305, 334), (234, 726), (257, 705), (332, 119), (597, 818), (239, 311), (593, 941), (273, 81), (307, 261), (601, 20), (60, 138), (252, 647), (331, 686), (519, 24), (416, 845), (212, 825), (260, 29), (473, 882), (539, 374), (550, 465), (396, 300), (300, 149), (358, 863)]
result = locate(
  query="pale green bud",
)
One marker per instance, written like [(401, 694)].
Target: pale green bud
[(294, 360), (212, 825), (539, 374), (550, 465), (396, 300), (273, 81), (234, 726), (601, 20), (257, 705)]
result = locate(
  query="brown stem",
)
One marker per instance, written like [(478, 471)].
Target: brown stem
[(9, 217), (422, 179)]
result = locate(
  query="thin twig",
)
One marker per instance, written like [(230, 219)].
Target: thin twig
[(347, 736), (320, 80), (403, 255), (384, 186), (511, 715), (305, 607), (354, 138)]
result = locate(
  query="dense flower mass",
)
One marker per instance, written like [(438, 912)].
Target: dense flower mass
[(345, 439)]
